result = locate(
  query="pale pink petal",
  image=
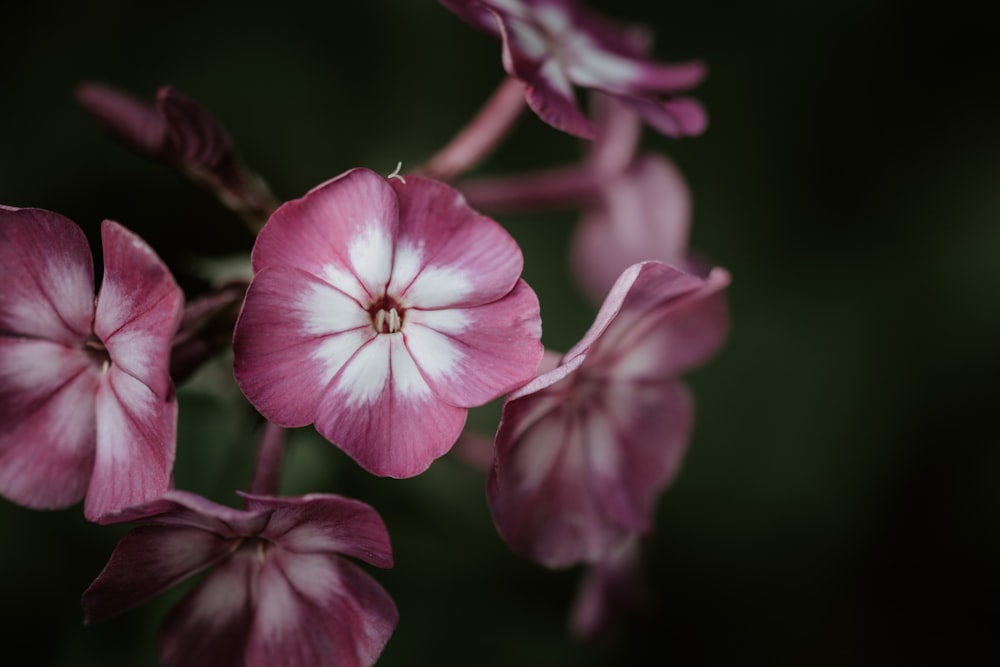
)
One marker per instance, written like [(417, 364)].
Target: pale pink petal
[(138, 309), (447, 254), (148, 561), (381, 412), (293, 335), (47, 430), (316, 609), (620, 130), (211, 625), (318, 523), (343, 231), (470, 356), (136, 441), (47, 275), (645, 215)]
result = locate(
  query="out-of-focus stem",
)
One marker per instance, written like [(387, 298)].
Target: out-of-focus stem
[(267, 472), (477, 139), (560, 187)]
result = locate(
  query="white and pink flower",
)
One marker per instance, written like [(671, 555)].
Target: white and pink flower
[(584, 450), (87, 406), (381, 310), (556, 45)]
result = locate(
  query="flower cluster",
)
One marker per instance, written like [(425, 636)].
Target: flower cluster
[(381, 309)]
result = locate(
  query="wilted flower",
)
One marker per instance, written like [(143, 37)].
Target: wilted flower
[(278, 593), (584, 450), (554, 45), (86, 401), (380, 311)]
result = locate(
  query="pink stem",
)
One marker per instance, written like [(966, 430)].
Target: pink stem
[(560, 187), (267, 472), (475, 141)]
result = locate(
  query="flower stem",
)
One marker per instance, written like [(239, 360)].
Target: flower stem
[(267, 472), (477, 139), (556, 188)]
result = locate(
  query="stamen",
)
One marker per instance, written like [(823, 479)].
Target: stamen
[(260, 551), (395, 174), (387, 322)]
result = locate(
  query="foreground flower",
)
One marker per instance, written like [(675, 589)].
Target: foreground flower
[(584, 450), (380, 311), (278, 594), (554, 45), (86, 401)]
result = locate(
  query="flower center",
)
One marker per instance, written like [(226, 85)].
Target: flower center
[(387, 316), (98, 354)]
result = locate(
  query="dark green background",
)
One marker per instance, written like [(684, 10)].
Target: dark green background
[(839, 502)]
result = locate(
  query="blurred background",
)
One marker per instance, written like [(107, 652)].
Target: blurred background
[(840, 498)]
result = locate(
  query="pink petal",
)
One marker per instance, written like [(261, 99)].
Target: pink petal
[(325, 523), (343, 232), (189, 510), (470, 356), (138, 309), (549, 95), (47, 430), (381, 412), (211, 626), (645, 215), (610, 592), (47, 275), (136, 439), (148, 561), (447, 254), (293, 335), (198, 139), (674, 117), (653, 77), (317, 610)]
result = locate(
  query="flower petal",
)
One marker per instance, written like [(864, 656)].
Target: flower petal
[(138, 124), (325, 523), (447, 254), (550, 95), (212, 624), (293, 335), (381, 412), (138, 309), (674, 117), (47, 275), (315, 609), (136, 441), (470, 356), (343, 232), (47, 430), (148, 561)]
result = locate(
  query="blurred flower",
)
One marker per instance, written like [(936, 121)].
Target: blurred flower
[(583, 451), (279, 592), (86, 401), (611, 591), (554, 45), (380, 311), (182, 133)]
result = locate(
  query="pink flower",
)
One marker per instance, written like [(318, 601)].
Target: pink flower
[(86, 401), (380, 311), (279, 592), (610, 592), (554, 45), (584, 450)]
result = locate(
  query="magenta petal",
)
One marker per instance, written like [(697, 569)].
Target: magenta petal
[(136, 440), (343, 231), (470, 356), (447, 254), (47, 275), (315, 609), (186, 509), (610, 592), (198, 138), (138, 309), (148, 561), (674, 117), (47, 429), (319, 523), (669, 79), (293, 335), (557, 107), (381, 412), (212, 624)]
